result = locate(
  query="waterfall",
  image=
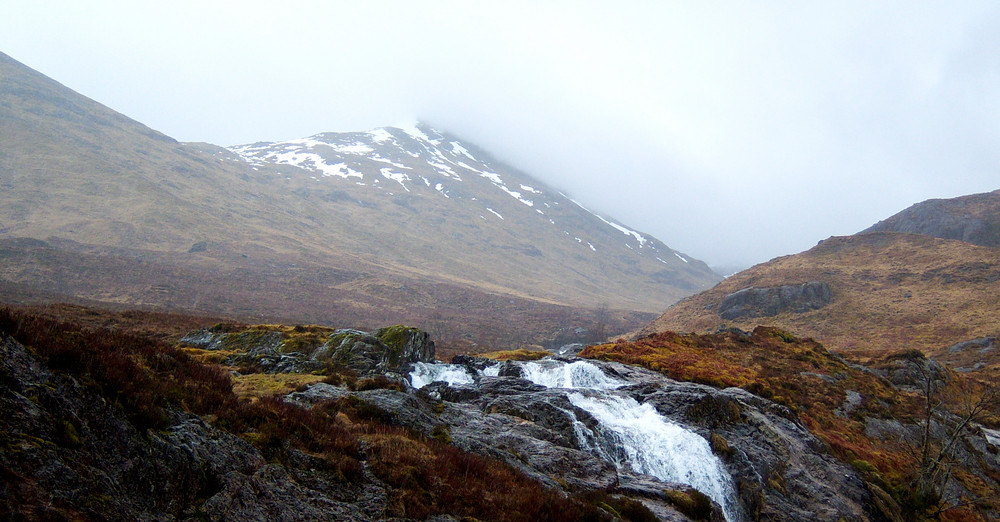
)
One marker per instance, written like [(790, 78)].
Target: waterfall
[(631, 435), (579, 374), (635, 435), (426, 373)]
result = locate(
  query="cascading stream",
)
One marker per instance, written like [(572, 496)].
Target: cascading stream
[(630, 434), (424, 374), (635, 435)]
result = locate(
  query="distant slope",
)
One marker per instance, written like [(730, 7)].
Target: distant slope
[(973, 219), (412, 217), (428, 201), (75, 169), (889, 291)]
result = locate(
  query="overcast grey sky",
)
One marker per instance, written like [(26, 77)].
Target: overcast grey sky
[(733, 131)]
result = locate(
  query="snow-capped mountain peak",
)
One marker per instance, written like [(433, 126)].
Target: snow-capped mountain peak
[(421, 162)]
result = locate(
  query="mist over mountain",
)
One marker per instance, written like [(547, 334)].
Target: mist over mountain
[(314, 229)]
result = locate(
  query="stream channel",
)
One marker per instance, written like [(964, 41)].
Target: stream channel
[(629, 434)]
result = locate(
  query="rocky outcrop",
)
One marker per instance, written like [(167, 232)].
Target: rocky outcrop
[(386, 351), (782, 472), (973, 219), (771, 301), (68, 453), (913, 372), (981, 345)]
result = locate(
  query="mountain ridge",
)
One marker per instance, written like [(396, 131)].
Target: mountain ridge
[(178, 219), (974, 218), (885, 288)]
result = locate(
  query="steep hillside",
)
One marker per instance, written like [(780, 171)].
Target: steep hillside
[(430, 202), (392, 225), (871, 292), (973, 219)]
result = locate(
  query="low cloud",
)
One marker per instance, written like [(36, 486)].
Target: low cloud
[(735, 133)]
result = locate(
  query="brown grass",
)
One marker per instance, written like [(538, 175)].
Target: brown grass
[(259, 385), (801, 374), (515, 355), (891, 292), (143, 377)]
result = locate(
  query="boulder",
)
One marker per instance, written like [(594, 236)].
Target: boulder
[(773, 300), (391, 350)]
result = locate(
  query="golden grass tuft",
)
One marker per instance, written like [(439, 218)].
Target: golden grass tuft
[(521, 354), (258, 385)]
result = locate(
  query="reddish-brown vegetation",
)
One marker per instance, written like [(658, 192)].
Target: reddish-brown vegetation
[(814, 383), (147, 378), (890, 292)]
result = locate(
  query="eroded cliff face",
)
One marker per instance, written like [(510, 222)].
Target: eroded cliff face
[(771, 301)]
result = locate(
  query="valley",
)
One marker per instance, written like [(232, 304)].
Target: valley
[(394, 324)]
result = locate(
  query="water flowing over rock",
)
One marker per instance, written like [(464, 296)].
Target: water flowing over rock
[(605, 425), (635, 436), (425, 373)]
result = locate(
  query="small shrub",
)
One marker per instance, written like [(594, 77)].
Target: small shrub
[(864, 466), (620, 507), (719, 444), (692, 503), (377, 382), (441, 434)]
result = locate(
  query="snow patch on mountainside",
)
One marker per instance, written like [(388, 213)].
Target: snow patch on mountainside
[(424, 161)]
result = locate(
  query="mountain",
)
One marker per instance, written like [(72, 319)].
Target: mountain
[(391, 225), (433, 203), (973, 219), (876, 291)]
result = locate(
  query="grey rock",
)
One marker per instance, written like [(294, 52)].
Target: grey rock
[(388, 350), (64, 445), (570, 349), (983, 344), (852, 400), (971, 218), (771, 301), (315, 393), (271, 494)]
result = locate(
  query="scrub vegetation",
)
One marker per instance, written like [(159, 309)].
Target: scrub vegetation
[(146, 379), (836, 400)]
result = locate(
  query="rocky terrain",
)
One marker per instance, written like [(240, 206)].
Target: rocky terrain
[(974, 219), (872, 294), (301, 422), (920, 436)]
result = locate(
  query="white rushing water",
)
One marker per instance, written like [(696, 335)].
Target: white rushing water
[(579, 374), (631, 435), (635, 435), (426, 373)]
